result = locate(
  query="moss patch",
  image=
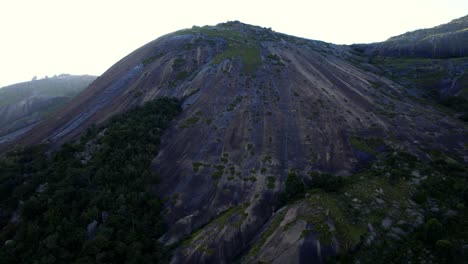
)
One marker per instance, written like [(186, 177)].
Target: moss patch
[(366, 145)]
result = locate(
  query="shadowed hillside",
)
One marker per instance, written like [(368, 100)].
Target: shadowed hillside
[(22, 105)]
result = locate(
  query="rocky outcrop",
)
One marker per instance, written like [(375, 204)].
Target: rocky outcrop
[(445, 41), (256, 105)]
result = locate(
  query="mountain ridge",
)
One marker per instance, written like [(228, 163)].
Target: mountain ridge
[(263, 113), (444, 41), (23, 105)]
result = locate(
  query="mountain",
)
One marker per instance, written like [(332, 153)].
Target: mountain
[(286, 150), (431, 63), (444, 41), (23, 105)]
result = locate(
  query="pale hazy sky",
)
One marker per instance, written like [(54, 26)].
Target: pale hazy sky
[(50, 37)]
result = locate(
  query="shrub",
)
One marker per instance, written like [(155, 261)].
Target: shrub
[(271, 182), (433, 230), (327, 182), (294, 188), (444, 248)]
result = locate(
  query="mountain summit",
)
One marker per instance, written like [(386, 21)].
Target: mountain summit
[(263, 113)]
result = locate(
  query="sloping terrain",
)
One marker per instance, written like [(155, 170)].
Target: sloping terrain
[(443, 82), (430, 63), (22, 105), (444, 41), (261, 111)]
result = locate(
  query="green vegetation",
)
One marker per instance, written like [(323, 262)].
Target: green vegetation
[(347, 231), (271, 182), (224, 158), (219, 171), (238, 45), (442, 185), (235, 103), (327, 182), (294, 188), (251, 178), (177, 63), (182, 75), (249, 54), (272, 227), (111, 186), (197, 165), (366, 145), (234, 216), (227, 215), (425, 78), (275, 59), (386, 188), (267, 159), (190, 121), (151, 59)]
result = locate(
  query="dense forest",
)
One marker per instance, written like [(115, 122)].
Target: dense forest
[(92, 200)]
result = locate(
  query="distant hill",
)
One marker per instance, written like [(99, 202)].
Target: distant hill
[(431, 63), (24, 104), (444, 41)]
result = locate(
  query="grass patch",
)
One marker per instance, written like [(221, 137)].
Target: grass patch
[(251, 178), (348, 233), (271, 182), (267, 159), (366, 145), (219, 171), (234, 104), (197, 165), (238, 45), (217, 175), (190, 121), (249, 55), (182, 75)]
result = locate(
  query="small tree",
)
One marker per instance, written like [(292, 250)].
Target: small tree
[(434, 230), (444, 249), (294, 188)]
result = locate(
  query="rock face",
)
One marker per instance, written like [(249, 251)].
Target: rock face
[(22, 105), (256, 104), (445, 41)]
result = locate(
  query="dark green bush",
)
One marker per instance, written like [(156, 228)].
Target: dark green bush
[(327, 182), (434, 230), (294, 188)]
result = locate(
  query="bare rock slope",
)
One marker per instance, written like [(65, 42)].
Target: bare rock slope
[(257, 104), (444, 41)]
